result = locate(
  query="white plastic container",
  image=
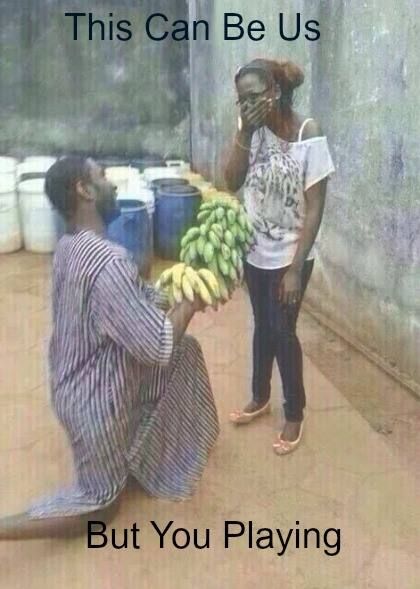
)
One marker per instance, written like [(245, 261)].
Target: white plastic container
[(10, 231), (182, 166), (37, 216), (151, 174), (8, 167), (124, 177), (34, 167)]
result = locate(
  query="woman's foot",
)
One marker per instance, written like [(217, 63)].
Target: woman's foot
[(250, 412), (289, 439)]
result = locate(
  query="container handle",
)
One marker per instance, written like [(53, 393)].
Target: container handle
[(175, 163)]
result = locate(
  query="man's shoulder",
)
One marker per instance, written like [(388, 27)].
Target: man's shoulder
[(89, 253)]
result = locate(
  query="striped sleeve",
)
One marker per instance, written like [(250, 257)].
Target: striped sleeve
[(155, 297), (121, 313)]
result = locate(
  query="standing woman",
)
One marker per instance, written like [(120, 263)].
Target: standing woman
[(283, 162)]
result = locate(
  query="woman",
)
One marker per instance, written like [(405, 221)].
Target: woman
[(283, 162)]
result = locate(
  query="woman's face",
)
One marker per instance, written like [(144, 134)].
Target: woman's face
[(252, 88)]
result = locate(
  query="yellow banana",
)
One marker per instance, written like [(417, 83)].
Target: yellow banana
[(187, 288), (191, 274), (224, 293), (177, 292), (210, 281), (202, 290), (165, 277), (177, 272)]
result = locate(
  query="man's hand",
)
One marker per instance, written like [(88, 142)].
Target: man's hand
[(290, 290)]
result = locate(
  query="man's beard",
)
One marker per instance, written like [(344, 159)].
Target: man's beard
[(108, 210)]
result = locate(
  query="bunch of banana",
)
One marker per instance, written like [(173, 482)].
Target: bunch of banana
[(184, 282), (220, 242)]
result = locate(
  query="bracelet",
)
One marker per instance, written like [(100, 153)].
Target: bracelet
[(242, 146)]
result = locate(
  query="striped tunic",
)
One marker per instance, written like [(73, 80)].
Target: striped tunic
[(130, 402)]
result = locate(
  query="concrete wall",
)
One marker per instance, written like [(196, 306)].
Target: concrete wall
[(362, 85), (122, 98)]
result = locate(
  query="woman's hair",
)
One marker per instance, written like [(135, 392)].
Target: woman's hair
[(61, 180), (285, 74)]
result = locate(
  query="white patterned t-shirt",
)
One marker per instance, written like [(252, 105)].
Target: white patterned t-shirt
[(279, 173)]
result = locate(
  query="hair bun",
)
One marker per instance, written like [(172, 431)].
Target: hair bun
[(291, 75)]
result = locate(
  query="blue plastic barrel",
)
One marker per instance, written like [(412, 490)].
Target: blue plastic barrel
[(133, 230), (164, 183), (176, 211)]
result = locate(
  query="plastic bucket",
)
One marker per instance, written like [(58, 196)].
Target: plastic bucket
[(176, 211), (133, 230), (34, 167), (164, 183), (8, 167), (124, 177), (10, 231), (37, 216)]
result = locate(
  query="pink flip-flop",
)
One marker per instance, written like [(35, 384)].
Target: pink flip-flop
[(283, 447), (241, 417)]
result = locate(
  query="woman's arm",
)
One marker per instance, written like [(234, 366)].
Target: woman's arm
[(238, 160)]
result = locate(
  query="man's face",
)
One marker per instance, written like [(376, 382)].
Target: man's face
[(105, 193)]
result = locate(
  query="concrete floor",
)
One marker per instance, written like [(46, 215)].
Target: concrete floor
[(345, 475)]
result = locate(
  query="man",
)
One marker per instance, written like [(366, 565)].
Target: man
[(131, 391)]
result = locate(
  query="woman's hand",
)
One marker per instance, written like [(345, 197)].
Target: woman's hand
[(290, 290), (253, 116)]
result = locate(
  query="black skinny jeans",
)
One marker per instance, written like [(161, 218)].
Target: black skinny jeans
[(275, 337)]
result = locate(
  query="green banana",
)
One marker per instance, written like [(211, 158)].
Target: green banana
[(241, 234), (225, 252), (214, 240), (232, 273), (224, 292), (203, 229), (218, 230), (191, 234), (203, 215), (208, 252), (234, 257), (231, 217), (229, 239), (192, 249), (223, 265), (213, 267), (220, 213), (200, 243), (242, 221)]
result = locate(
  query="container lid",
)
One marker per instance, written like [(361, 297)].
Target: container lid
[(35, 186), (180, 190), (130, 205), (166, 182)]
